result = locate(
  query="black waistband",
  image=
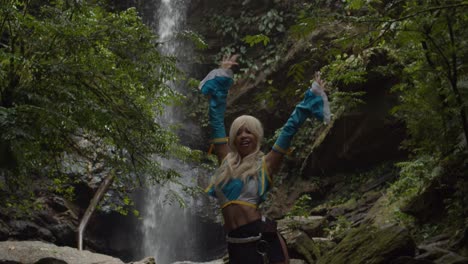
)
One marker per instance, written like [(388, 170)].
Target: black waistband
[(247, 230)]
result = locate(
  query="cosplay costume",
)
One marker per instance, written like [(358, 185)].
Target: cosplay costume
[(258, 241), (250, 193)]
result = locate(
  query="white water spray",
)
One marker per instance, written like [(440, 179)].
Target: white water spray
[(171, 233)]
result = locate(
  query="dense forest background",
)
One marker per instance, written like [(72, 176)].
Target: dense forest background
[(83, 84)]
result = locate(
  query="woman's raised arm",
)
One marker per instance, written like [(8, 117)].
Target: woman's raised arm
[(216, 85), (315, 103)]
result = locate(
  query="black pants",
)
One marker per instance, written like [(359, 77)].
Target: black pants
[(247, 253)]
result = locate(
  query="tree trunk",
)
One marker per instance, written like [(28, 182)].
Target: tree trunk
[(105, 184)]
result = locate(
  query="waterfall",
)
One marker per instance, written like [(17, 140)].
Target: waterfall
[(171, 233)]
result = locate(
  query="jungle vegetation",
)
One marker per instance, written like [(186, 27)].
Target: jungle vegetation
[(82, 83)]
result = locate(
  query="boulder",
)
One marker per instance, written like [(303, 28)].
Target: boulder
[(451, 258), (410, 260), (24, 229), (37, 252), (285, 196), (296, 261), (440, 255), (148, 260), (369, 244), (430, 253), (300, 245), (460, 242), (299, 234), (4, 231), (313, 226), (428, 206)]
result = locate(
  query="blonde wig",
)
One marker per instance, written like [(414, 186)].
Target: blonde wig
[(233, 165)]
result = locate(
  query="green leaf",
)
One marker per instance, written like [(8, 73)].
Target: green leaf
[(255, 39)]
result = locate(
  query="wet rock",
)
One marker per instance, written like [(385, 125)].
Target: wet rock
[(38, 252), (438, 240), (451, 258), (368, 135), (58, 204), (148, 260), (410, 260), (334, 213), (313, 226), (368, 244), (379, 181), (4, 231), (440, 255), (50, 261), (355, 211), (65, 234), (428, 206), (301, 245), (26, 230), (296, 261), (430, 253), (310, 249), (285, 197), (460, 242)]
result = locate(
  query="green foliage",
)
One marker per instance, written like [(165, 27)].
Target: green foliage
[(301, 207), (271, 22), (339, 228), (243, 33), (197, 105), (415, 176), (426, 49), (81, 84), (429, 42), (419, 45), (297, 70), (355, 4), (255, 39), (457, 204), (194, 38), (347, 69)]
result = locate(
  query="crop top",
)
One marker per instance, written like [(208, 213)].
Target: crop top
[(250, 193)]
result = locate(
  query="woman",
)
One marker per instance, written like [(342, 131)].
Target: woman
[(243, 179)]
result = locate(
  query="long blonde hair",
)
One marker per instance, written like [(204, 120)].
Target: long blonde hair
[(233, 165)]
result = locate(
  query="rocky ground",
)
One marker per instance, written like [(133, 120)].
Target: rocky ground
[(38, 252), (360, 229)]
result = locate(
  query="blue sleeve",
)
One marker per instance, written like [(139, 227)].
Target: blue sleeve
[(211, 191), (216, 84), (315, 104)]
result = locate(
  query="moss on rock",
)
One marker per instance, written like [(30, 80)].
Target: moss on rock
[(368, 244)]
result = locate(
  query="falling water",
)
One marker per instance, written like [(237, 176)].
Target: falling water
[(171, 233)]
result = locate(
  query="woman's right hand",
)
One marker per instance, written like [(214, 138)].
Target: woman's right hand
[(229, 61)]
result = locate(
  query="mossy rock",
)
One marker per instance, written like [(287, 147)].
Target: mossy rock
[(310, 249), (313, 226), (371, 245)]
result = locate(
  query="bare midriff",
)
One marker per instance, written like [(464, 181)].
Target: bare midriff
[(236, 215)]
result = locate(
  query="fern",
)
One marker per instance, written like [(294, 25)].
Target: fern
[(297, 70)]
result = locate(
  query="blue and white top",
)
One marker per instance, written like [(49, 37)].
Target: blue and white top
[(250, 193)]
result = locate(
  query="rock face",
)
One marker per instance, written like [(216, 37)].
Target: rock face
[(57, 222), (365, 135), (37, 252), (371, 245), (304, 237)]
